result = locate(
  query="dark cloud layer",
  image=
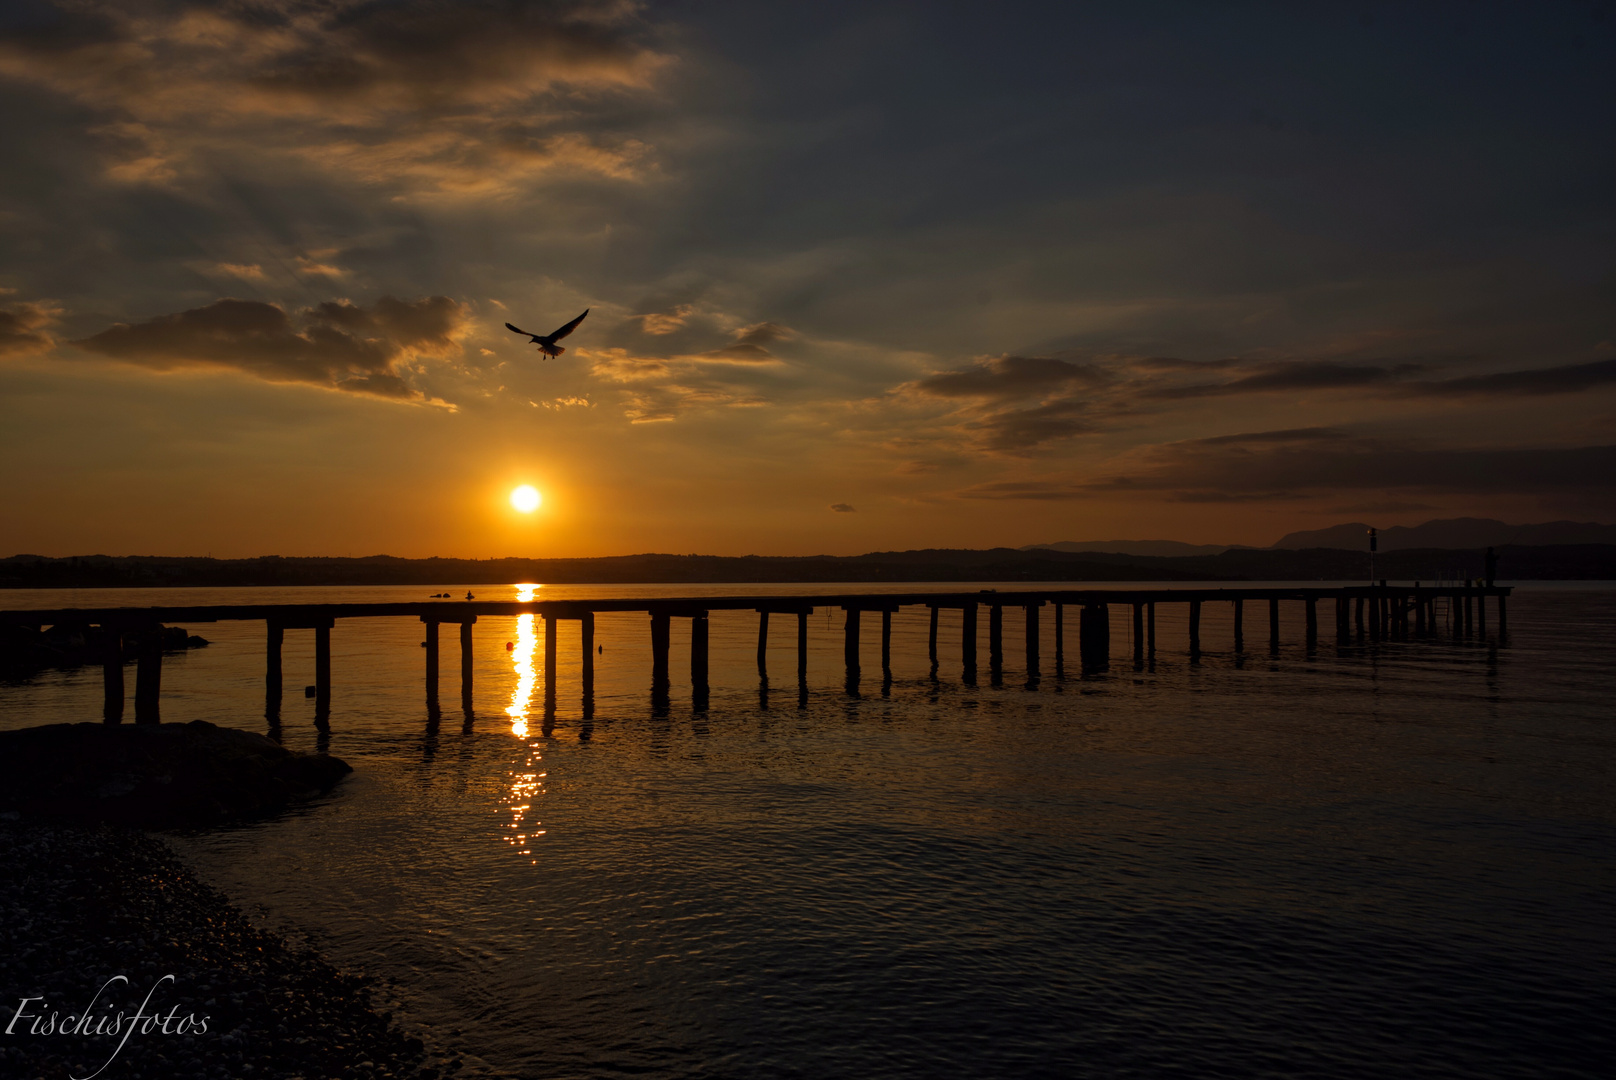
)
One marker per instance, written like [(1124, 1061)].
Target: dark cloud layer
[(339, 345), (1009, 377), (1286, 465), (23, 329), (1566, 379)]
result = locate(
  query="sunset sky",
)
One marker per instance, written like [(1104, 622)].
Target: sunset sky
[(861, 276)]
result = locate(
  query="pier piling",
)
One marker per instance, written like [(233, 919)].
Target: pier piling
[(659, 649), (586, 634), (931, 638), (149, 675), (1032, 639), (431, 626), (549, 661), (996, 639), (698, 654), (1239, 625), (1094, 637), (1312, 622), (322, 667), (968, 642), (850, 642), (466, 624), (1273, 624), (112, 673), (1138, 636), (274, 637), (1195, 631), (763, 642), (802, 646)]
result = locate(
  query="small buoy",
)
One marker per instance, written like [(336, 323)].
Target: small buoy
[(423, 644), (510, 646), (470, 597), (600, 648), (308, 691)]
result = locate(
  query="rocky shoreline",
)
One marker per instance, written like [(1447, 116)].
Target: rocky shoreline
[(81, 906), (117, 962)]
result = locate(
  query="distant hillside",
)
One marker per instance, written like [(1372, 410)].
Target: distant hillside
[(994, 564), (1515, 563), (1166, 548), (1453, 533)]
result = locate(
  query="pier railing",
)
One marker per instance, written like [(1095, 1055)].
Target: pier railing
[(1382, 612)]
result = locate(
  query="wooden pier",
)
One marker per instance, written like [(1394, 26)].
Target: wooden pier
[(1374, 613)]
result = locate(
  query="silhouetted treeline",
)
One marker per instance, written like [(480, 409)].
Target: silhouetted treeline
[(1569, 561)]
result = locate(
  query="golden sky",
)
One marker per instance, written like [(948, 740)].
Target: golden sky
[(860, 277)]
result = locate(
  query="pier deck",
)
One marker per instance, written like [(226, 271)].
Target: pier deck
[(1383, 612)]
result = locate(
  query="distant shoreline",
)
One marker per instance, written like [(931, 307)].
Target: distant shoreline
[(1561, 562)]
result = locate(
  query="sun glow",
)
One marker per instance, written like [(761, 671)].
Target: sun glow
[(526, 498)]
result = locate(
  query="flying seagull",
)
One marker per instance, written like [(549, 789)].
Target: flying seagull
[(547, 342)]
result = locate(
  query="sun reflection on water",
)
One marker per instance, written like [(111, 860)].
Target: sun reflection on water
[(526, 644), (527, 780)]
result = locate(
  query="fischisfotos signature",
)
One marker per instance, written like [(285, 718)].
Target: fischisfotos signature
[(33, 1016)]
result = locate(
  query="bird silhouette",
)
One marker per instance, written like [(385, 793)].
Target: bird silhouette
[(547, 342)]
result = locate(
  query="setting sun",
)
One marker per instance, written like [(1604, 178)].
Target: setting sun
[(526, 498)]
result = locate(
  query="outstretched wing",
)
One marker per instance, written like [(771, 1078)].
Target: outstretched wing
[(569, 328), (519, 330)]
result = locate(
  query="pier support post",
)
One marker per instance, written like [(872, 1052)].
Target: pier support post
[(465, 660), (1273, 623), (1312, 622), (1343, 628), (112, 673), (274, 637), (1032, 639), (431, 659), (968, 642), (886, 644), (1138, 635), (1150, 631), (763, 643), (995, 639), (1481, 614), (1239, 626), (659, 649), (1503, 619), (322, 667), (149, 675), (698, 655), (1357, 605), (1195, 631), (1060, 637), (1094, 637), (586, 632), (549, 660), (850, 642), (931, 638), (802, 645), (1469, 611)]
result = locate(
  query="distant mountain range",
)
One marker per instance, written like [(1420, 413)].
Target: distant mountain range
[(1515, 563), (1166, 549), (1452, 534)]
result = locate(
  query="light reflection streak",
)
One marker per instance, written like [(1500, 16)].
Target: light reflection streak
[(526, 785), (527, 643)]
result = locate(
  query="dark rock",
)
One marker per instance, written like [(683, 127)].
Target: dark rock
[(155, 775)]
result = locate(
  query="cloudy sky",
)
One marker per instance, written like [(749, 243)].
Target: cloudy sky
[(860, 276)]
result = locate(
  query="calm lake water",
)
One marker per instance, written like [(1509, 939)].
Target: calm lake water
[(1369, 861)]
